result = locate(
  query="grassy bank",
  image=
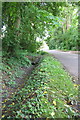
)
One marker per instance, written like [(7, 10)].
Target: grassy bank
[(48, 93), (13, 67)]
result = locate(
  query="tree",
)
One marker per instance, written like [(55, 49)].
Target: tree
[(65, 36), (24, 23)]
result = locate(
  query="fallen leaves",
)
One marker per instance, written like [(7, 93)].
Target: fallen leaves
[(3, 116), (76, 85), (45, 92), (54, 102), (13, 103), (52, 114), (4, 106)]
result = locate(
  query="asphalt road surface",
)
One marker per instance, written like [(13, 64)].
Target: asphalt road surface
[(69, 60)]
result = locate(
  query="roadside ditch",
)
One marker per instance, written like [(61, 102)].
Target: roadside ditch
[(8, 92)]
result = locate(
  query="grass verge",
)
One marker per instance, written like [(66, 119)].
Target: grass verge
[(48, 93)]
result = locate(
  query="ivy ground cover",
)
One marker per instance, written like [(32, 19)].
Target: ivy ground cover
[(48, 93)]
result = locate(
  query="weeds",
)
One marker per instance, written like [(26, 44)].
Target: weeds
[(48, 93)]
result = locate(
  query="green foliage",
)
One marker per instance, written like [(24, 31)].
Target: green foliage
[(41, 52), (46, 93), (65, 36), (24, 23), (11, 67), (65, 41), (49, 90)]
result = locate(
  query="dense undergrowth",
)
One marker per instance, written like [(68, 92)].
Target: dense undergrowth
[(64, 41), (48, 93), (12, 67)]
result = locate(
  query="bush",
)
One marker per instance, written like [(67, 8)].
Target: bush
[(67, 40)]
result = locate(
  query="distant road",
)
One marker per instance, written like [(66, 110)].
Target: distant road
[(69, 61)]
